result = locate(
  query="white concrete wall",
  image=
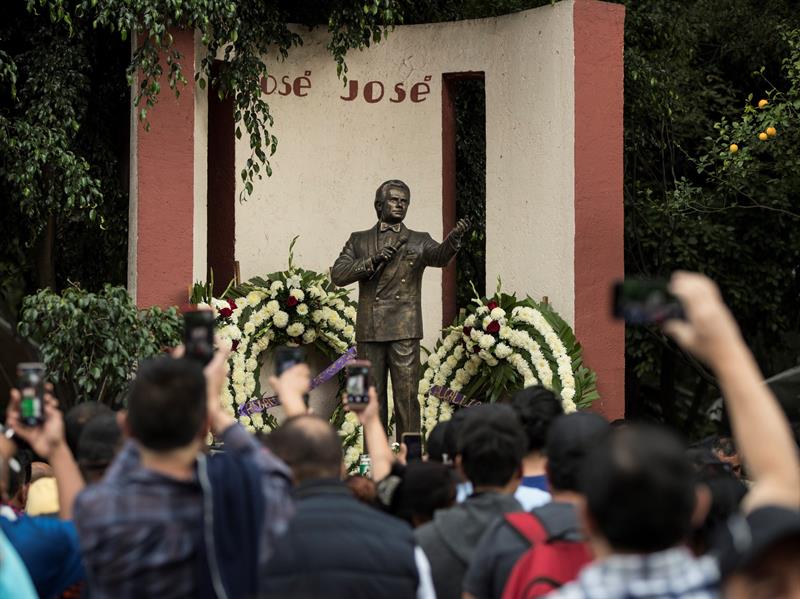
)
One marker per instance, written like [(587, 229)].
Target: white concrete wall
[(332, 154)]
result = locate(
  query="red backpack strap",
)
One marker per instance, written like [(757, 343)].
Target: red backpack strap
[(529, 526)]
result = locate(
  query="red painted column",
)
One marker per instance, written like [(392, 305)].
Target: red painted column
[(599, 217), (164, 183)]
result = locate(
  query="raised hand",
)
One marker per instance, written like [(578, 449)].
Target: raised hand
[(45, 439), (290, 388)]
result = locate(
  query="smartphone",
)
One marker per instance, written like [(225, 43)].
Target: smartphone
[(198, 335), (286, 357), (413, 443), (358, 385), (644, 301), (30, 382)]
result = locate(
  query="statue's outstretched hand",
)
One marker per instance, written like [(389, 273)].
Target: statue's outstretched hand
[(462, 226)]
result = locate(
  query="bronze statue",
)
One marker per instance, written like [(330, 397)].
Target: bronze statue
[(388, 261)]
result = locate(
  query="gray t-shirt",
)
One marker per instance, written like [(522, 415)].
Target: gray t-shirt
[(501, 546)]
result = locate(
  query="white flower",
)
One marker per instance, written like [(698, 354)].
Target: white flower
[(245, 420), (430, 411), (486, 341), (470, 321), (486, 321), (482, 310), (456, 386), (249, 328), (302, 309), (295, 329), (349, 331), (238, 376), (254, 297), (281, 319), (293, 281), (502, 350), (309, 336), (348, 428), (273, 307), (351, 456), (251, 364), (458, 352), (568, 394), (434, 361), (428, 374), (338, 304), (317, 315), (569, 406), (424, 387), (258, 420), (498, 313), (439, 380), (452, 362), (275, 287), (475, 334), (350, 312), (298, 294)]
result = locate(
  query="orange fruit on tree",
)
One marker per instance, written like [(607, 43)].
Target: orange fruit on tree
[(763, 136), (771, 131), (762, 103), (734, 148)]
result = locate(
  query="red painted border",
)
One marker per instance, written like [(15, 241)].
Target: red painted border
[(221, 188), (165, 203), (599, 217)]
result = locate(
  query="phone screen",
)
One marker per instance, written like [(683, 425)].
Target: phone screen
[(357, 384), (413, 442), (286, 357), (198, 335), (641, 301)]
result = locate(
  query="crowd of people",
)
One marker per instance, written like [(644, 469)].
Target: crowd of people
[(512, 500)]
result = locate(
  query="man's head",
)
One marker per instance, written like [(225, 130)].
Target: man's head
[(759, 553), (435, 444), (571, 438), (724, 449), (491, 445), (640, 490), (536, 408), (391, 201), (19, 478), (310, 447), (77, 417), (425, 488), (99, 442), (167, 407)]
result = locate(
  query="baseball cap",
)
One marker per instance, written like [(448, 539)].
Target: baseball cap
[(746, 538)]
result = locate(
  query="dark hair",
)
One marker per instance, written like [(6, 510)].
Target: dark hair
[(380, 193), (167, 405), (452, 429), (426, 487), (435, 443), (309, 446), (491, 444), (640, 489), (536, 407), (570, 439), (100, 440), (363, 489), (77, 417), (19, 478)]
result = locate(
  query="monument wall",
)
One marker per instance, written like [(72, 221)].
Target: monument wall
[(553, 81)]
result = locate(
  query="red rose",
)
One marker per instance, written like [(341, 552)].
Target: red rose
[(292, 301), (467, 331), (491, 305), (225, 312), (232, 304), (234, 345), (494, 327)]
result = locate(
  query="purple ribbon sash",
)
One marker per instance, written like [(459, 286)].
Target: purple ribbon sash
[(266, 402), (454, 397)]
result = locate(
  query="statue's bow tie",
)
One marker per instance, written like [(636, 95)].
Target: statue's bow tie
[(385, 227)]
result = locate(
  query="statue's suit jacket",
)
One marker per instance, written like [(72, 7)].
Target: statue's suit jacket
[(389, 297)]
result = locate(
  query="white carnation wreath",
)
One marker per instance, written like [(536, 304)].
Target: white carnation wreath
[(499, 346)]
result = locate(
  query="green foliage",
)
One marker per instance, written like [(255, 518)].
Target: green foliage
[(690, 203), (93, 342), (244, 34)]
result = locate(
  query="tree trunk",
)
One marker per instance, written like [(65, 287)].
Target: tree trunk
[(45, 257)]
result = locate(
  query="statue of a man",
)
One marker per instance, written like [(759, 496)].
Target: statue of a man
[(388, 261)]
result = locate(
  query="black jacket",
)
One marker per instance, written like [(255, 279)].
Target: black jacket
[(390, 301), (338, 547)]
